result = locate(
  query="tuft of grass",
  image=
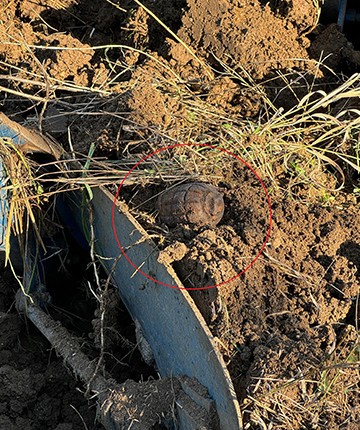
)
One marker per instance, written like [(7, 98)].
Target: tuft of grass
[(323, 396), (308, 140), (23, 191)]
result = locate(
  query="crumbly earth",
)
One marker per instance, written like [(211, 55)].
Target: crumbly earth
[(287, 326), (292, 312), (37, 391)]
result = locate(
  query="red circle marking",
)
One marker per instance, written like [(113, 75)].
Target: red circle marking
[(165, 148)]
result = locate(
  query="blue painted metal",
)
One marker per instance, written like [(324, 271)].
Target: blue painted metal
[(7, 132), (32, 271), (68, 219), (180, 340), (342, 14)]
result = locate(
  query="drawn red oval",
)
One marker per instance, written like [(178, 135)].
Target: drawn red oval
[(165, 148)]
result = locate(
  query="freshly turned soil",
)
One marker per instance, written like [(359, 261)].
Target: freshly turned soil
[(293, 312)]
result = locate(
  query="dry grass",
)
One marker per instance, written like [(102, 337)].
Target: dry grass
[(23, 191), (308, 143), (326, 395), (316, 139)]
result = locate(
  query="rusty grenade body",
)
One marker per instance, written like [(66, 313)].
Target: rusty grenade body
[(194, 203)]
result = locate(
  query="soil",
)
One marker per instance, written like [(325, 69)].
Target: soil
[(37, 390), (287, 327)]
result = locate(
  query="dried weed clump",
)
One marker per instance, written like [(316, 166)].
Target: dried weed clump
[(327, 396), (20, 191)]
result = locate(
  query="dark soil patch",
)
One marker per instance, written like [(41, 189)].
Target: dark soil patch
[(37, 390)]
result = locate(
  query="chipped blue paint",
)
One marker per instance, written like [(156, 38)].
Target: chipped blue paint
[(9, 133)]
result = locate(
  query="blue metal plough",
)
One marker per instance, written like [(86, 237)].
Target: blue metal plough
[(182, 345)]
